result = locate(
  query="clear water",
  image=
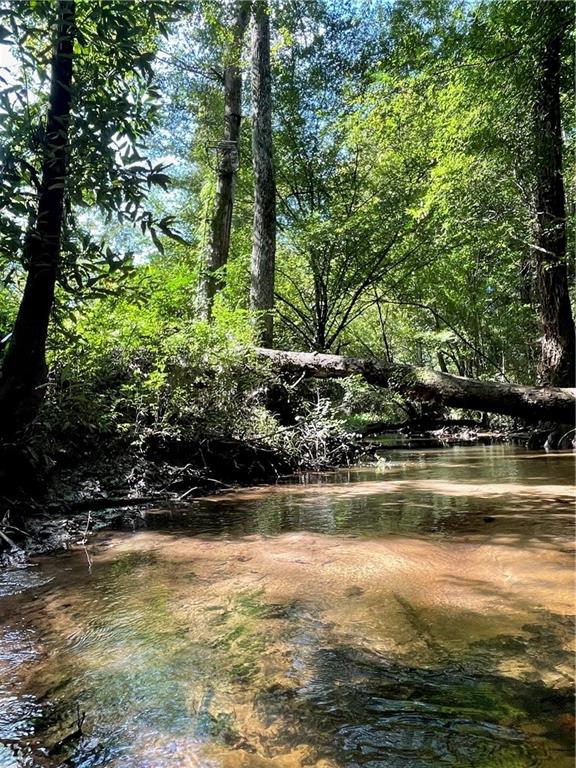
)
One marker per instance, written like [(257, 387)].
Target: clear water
[(413, 616)]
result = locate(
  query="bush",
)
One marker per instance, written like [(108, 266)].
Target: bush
[(124, 366), (319, 439), (150, 375)]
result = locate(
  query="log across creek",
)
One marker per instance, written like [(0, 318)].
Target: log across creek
[(535, 404)]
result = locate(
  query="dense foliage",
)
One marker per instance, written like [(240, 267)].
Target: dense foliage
[(406, 174)]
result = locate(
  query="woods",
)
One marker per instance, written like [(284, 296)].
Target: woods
[(287, 383), (395, 197)]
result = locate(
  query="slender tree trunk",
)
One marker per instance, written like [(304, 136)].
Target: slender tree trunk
[(228, 160), (439, 389), (24, 369), (264, 229), (557, 355)]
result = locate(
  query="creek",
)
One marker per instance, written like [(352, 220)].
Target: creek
[(414, 615)]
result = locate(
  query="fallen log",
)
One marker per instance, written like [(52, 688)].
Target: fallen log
[(534, 404)]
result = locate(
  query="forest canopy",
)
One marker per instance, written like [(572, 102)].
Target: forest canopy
[(183, 180)]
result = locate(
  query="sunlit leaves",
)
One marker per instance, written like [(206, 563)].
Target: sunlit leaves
[(115, 106)]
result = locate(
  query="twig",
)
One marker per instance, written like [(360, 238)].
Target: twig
[(24, 533), (187, 493), (88, 519), (219, 482), (8, 541), (293, 386), (179, 472), (565, 435), (116, 502), (83, 541)]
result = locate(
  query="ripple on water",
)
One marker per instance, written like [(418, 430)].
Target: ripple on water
[(14, 581), (380, 622), (19, 710)]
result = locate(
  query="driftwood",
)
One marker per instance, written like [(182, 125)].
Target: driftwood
[(534, 404)]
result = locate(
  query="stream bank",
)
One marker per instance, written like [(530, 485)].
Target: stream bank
[(49, 502), (51, 499), (54, 502), (101, 451)]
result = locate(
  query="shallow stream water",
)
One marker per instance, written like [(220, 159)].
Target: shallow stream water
[(414, 616)]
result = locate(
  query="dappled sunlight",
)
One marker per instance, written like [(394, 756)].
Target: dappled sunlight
[(441, 487), (295, 626), (309, 566)]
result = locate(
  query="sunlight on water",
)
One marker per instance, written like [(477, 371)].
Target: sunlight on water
[(411, 617)]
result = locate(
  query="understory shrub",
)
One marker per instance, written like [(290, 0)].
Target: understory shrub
[(136, 375), (199, 380)]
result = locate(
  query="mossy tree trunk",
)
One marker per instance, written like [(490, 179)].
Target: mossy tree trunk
[(228, 153), (557, 354), (264, 227)]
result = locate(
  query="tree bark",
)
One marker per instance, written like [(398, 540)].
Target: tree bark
[(557, 355), (264, 228), (421, 384), (228, 154), (24, 370)]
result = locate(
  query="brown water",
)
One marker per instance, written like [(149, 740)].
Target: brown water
[(410, 617)]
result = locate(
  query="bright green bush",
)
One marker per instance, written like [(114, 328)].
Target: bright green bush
[(146, 364)]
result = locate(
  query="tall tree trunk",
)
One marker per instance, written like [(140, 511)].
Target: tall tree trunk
[(264, 228), (228, 159), (24, 368), (557, 355)]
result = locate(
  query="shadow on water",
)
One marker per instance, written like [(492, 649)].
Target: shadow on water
[(334, 705), (364, 711), (376, 623)]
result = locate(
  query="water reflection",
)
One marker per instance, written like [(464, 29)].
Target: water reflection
[(411, 618), (486, 491)]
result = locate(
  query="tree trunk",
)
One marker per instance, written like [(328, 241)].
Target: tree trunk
[(228, 160), (264, 228), (443, 389), (24, 368), (557, 355)]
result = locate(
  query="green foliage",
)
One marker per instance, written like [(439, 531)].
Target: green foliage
[(405, 156), (114, 106), (320, 439), (134, 369), (462, 110)]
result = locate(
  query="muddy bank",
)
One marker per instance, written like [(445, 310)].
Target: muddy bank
[(55, 498), (50, 500)]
